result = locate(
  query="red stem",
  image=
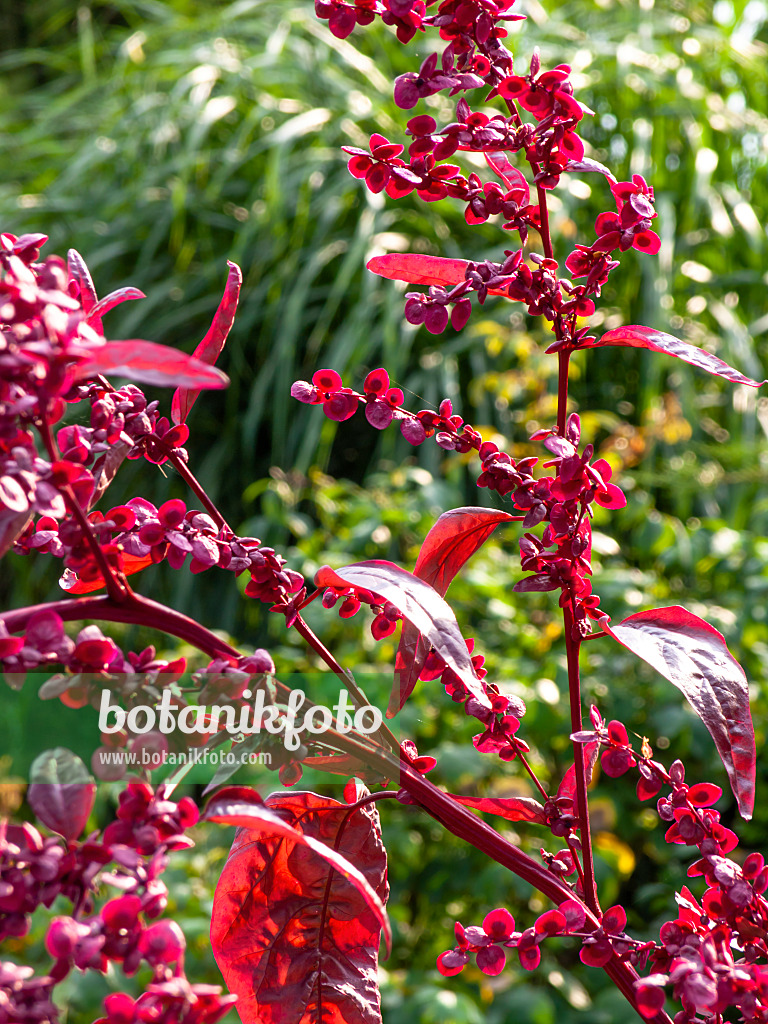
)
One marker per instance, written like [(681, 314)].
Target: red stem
[(582, 806), (136, 609)]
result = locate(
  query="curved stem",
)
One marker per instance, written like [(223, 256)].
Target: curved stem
[(196, 487), (137, 610)]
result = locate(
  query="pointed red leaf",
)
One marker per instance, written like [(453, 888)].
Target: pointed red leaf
[(79, 272), (418, 269), (513, 808), (454, 538), (295, 927), (567, 787), (210, 347), (420, 604), (634, 336), (104, 305), (62, 792), (150, 363), (693, 655)]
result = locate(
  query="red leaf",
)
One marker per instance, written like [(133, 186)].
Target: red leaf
[(418, 269), (131, 564), (93, 319), (420, 604), (690, 653), (567, 787), (635, 336), (513, 808), (293, 938), (454, 538), (150, 363), (210, 347), (79, 272)]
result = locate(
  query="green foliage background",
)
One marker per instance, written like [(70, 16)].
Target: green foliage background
[(160, 139)]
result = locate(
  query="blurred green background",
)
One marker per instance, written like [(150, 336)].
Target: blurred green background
[(161, 139)]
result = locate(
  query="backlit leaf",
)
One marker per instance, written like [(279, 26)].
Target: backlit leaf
[(693, 655), (514, 808), (454, 538), (295, 927), (634, 336), (210, 347), (150, 363), (420, 604)]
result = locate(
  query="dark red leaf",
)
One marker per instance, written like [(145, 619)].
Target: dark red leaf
[(150, 363), (634, 336), (513, 808), (210, 347), (454, 538), (418, 269), (420, 604), (62, 792), (293, 930), (690, 653)]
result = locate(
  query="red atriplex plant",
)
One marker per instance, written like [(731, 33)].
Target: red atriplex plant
[(299, 910)]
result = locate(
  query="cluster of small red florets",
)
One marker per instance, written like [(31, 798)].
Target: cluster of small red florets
[(560, 558), (487, 943), (130, 855), (714, 955)]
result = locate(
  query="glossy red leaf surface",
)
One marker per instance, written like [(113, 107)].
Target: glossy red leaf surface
[(62, 792), (513, 808), (420, 604), (292, 929), (150, 363), (454, 538), (693, 655), (417, 269), (209, 349), (634, 336)]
